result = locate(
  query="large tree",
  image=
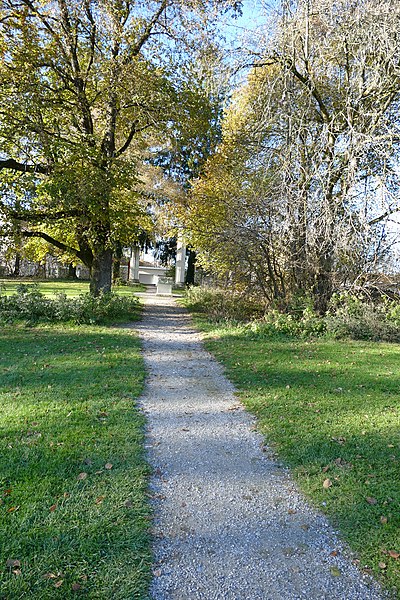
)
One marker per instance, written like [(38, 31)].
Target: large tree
[(310, 152), (87, 88)]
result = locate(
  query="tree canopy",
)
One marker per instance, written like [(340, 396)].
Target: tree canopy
[(88, 90), (296, 197)]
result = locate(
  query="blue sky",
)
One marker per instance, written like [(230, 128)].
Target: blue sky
[(255, 13), (252, 15)]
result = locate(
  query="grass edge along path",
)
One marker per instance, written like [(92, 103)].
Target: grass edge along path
[(73, 479), (330, 410)]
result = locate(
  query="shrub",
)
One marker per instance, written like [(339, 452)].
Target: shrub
[(352, 317), (222, 305), (30, 306), (349, 316), (305, 324)]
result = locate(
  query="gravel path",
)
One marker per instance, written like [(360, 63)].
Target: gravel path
[(229, 521)]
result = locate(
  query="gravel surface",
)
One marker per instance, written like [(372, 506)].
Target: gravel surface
[(229, 522)]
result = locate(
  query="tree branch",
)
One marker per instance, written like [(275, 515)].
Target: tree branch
[(129, 139), (42, 217), (390, 211), (11, 163), (60, 245), (147, 32)]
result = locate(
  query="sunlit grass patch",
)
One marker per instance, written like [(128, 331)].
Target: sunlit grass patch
[(72, 473), (50, 288)]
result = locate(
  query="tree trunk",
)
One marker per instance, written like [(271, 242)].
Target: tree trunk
[(190, 268), (323, 287), (17, 265), (116, 269), (101, 273), (117, 262), (72, 271)]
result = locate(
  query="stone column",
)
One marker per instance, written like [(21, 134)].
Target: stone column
[(180, 263), (134, 264)]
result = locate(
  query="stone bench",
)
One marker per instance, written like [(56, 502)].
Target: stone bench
[(164, 286)]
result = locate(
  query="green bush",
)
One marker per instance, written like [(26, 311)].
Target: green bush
[(222, 305), (352, 317), (30, 306), (305, 324), (349, 316)]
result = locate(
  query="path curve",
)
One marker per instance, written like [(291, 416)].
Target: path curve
[(229, 522)]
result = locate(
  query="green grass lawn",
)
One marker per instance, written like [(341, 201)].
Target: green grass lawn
[(71, 288), (330, 410), (73, 513)]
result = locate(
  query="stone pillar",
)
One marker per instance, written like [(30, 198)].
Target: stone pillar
[(134, 264), (180, 263)]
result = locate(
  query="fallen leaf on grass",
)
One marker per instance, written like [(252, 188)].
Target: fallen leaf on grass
[(99, 500), (82, 476), (325, 469), (88, 461), (7, 492), (327, 484), (13, 509), (394, 554), (383, 520), (13, 563), (339, 462), (59, 583), (339, 440), (17, 572), (382, 565), (50, 576), (371, 500), (128, 504), (76, 587), (108, 466), (53, 507)]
